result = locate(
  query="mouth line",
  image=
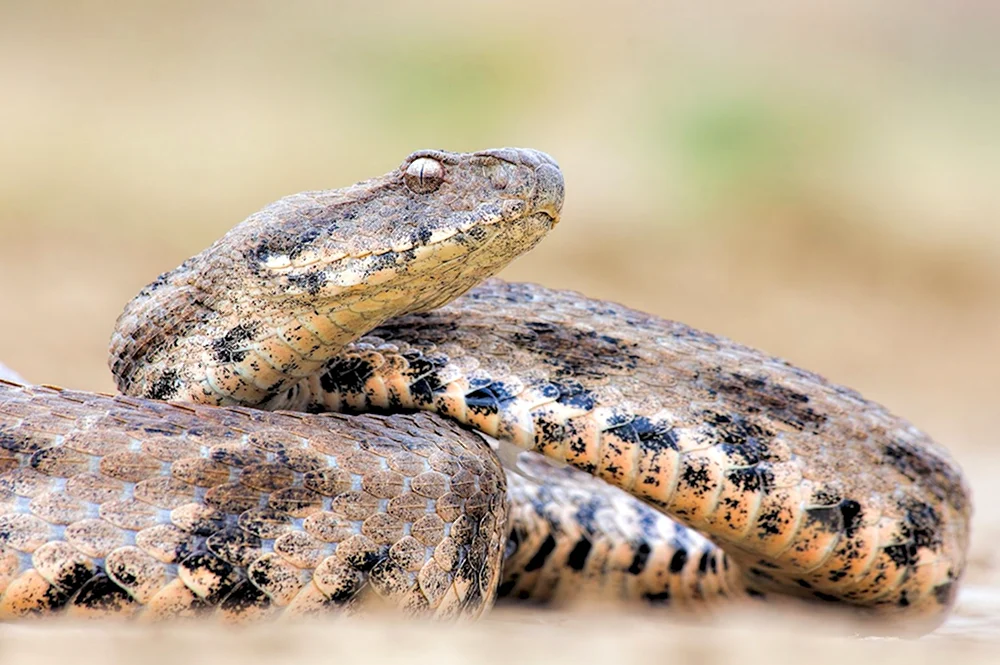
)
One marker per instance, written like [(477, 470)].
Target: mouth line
[(333, 258)]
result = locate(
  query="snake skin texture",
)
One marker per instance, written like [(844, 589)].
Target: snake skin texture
[(691, 471), (113, 505)]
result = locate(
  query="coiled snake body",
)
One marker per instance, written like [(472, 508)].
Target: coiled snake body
[(719, 473)]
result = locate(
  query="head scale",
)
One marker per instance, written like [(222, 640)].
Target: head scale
[(271, 301)]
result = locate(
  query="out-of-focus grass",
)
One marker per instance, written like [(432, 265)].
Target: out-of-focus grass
[(818, 181)]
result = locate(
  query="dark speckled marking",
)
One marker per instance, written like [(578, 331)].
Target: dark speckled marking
[(751, 480), (365, 561), (696, 475), (282, 243), (312, 282), (488, 399), (769, 523), (573, 394), (923, 524), (101, 593), (244, 596), (841, 518), (346, 375), (18, 442), (571, 351), (165, 386), (650, 435), (226, 349), (757, 394), (425, 382), (932, 472)]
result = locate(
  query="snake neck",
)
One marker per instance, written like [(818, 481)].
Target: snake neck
[(272, 301)]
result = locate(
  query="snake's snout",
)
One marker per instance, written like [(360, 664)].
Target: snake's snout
[(550, 189)]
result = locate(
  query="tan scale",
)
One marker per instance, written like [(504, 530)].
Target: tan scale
[(177, 510)]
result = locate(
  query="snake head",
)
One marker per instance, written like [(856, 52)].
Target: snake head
[(279, 294), (423, 233)]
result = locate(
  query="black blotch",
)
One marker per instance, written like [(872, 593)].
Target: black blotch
[(640, 429), (428, 383), (678, 561), (477, 233), (365, 561), (696, 475), (488, 399), (227, 574), (346, 375), (578, 555), (703, 563), (639, 560), (922, 524), (544, 550), (659, 597), (576, 353), (504, 589), (841, 518), (573, 394), (745, 480), (101, 593), (225, 349), (165, 386), (851, 512), (825, 597), (244, 596), (513, 543), (944, 593)]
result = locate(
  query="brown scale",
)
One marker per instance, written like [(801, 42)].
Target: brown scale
[(241, 553), (731, 442), (812, 490)]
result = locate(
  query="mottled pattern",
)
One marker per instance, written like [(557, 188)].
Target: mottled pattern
[(810, 488), (721, 473), (276, 297), (575, 538), (119, 506)]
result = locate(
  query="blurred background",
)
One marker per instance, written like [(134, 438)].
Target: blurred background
[(821, 183)]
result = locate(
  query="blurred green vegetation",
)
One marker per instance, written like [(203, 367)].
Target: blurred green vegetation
[(145, 118)]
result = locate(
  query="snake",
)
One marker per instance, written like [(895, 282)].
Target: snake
[(338, 407)]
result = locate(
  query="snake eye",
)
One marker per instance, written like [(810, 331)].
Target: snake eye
[(424, 175)]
